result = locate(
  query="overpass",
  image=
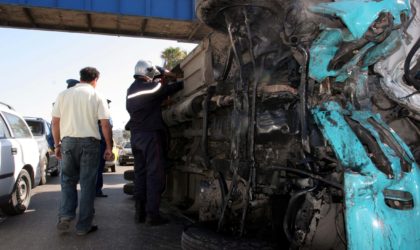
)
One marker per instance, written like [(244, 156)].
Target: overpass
[(166, 19)]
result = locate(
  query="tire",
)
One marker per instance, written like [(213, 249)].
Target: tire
[(129, 188), (44, 165), (113, 168), (55, 173), (21, 195), (201, 238), (211, 12), (129, 175), (121, 163)]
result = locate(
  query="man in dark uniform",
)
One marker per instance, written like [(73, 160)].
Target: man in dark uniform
[(100, 180), (148, 138)]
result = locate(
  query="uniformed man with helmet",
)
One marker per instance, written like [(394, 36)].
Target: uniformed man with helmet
[(148, 137)]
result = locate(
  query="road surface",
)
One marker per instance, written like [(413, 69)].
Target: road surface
[(36, 228)]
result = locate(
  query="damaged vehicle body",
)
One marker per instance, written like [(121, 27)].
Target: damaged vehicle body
[(300, 120)]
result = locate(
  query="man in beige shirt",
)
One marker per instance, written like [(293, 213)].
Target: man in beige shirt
[(76, 139)]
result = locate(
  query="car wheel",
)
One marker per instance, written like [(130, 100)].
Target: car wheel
[(129, 175), (121, 163), (198, 237), (44, 164), (129, 188), (55, 173), (21, 195), (113, 168)]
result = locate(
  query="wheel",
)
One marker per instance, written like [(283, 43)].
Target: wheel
[(211, 12), (43, 169), (129, 188), (201, 238), (55, 173), (113, 168), (21, 195), (129, 175), (121, 163)]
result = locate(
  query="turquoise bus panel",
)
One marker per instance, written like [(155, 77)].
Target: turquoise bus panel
[(381, 211), (358, 15)]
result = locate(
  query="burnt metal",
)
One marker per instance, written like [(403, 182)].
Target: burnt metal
[(374, 151), (288, 219), (303, 100), (257, 137), (410, 74), (311, 175), (204, 137), (388, 139), (228, 65)]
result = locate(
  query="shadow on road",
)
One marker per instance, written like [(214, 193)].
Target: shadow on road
[(36, 228)]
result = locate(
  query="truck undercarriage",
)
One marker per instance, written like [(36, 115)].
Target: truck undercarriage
[(288, 122)]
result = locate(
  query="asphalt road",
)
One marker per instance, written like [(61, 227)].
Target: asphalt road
[(36, 228)]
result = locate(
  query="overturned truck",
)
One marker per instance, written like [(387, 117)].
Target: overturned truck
[(300, 120)]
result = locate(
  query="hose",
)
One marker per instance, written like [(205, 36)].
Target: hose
[(289, 211), (313, 176)]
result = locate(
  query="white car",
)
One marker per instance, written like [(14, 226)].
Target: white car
[(19, 162), (41, 130)]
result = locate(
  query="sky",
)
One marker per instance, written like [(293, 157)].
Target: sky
[(34, 66)]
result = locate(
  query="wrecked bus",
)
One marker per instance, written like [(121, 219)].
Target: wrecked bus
[(300, 120)]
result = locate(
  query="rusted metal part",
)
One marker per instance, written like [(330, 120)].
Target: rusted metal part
[(276, 88), (303, 101), (222, 101)]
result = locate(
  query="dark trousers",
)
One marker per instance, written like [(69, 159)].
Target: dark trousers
[(100, 180), (149, 168)]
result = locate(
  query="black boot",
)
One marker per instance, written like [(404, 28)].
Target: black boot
[(156, 220), (140, 215)]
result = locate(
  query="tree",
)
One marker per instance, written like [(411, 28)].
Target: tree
[(172, 56)]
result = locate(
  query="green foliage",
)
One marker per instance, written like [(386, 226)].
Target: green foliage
[(172, 56)]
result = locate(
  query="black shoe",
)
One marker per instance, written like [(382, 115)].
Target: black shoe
[(92, 229), (101, 195), (156, 220), (140, 214), (63, 225)]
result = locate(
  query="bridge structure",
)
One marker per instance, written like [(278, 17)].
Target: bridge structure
[(165, 19)]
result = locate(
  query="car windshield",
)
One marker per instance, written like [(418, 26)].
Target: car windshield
[(36, 127), (127, 145)]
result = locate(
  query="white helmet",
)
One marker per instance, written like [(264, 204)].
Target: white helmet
[(145, 68)]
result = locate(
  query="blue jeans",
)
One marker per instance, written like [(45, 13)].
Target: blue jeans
[(80, 158)]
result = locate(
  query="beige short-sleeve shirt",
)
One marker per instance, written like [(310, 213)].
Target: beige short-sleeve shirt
[(79, 109)]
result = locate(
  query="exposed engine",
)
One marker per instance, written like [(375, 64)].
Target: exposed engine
[(277, 125)]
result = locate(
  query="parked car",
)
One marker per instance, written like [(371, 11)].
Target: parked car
[(19, 162), (41, 130), (125, 155)]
